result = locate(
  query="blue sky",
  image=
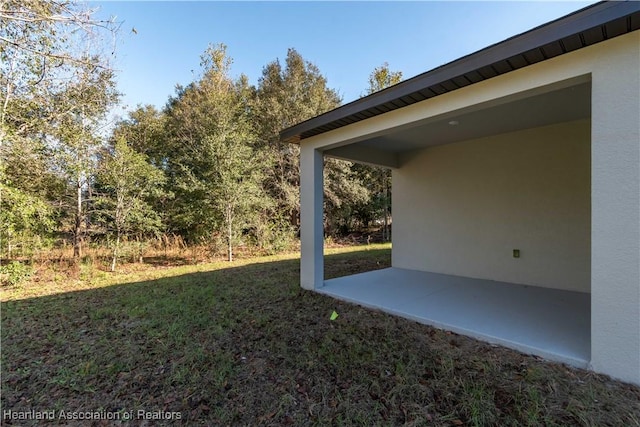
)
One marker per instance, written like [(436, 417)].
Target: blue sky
[(346, 40)]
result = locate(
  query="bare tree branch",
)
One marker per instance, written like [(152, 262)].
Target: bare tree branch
[(69, 58)]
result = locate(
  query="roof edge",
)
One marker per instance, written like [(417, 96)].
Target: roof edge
[(565, 26)]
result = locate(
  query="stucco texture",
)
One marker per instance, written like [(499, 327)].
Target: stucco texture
[(462, 208), (566, 195)]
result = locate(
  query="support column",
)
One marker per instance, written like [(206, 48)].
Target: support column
[(311, 219), (615, 216)]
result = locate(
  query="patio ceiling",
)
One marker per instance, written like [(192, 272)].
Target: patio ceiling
[(522, 111)]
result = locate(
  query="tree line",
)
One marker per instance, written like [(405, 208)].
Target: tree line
[(209, 166)]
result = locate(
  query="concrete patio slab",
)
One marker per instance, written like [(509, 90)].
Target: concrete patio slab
[(554, 324)]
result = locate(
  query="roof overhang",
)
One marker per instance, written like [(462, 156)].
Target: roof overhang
[(588, 26)]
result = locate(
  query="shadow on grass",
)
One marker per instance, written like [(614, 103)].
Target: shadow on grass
[(245, 345)]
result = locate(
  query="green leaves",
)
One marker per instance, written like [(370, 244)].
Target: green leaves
[(209, 166), (25, 184), (212, 156), (56, 87), (125, 181), (21, 212), (286, 96), (43, 50), (382, 77), (126, 174)]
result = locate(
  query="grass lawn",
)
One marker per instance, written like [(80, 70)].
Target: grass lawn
[(241, 344)]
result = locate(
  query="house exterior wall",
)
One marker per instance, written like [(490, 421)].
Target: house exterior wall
[(613, 67), (462, 208), (615, 200)]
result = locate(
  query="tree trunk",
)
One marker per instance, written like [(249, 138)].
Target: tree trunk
[(229, 236), (384, 227), (140, 250), (115, 252), (77, 238)]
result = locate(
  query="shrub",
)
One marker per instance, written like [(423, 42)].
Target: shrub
[(14, 273)]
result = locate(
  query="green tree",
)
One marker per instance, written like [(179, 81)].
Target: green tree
[(23, 217), (377, 179), (39, 55), (52, 62), (144, 130), (126, 181), (213, 160), (344, 191), (84, 103), (382, 77), (286, 96), (27, 188)]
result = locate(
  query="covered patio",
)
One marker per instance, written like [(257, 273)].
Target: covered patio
[(516, 192), (551, 323)]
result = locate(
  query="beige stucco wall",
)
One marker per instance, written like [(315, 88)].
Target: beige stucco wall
[(462, 208), (615, 199), (613, 67)]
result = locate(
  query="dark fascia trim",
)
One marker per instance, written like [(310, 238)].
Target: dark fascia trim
[(569, 25)]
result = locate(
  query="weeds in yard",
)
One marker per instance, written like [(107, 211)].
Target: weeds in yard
[(15, 273), (242, 344)]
